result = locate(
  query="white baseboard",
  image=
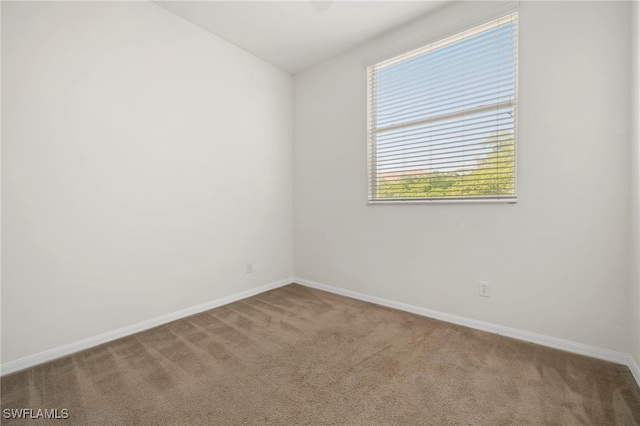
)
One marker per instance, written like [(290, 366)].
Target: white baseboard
[(631, 363), (553, 342), (51, 354)]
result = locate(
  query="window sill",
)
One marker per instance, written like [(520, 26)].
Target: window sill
[(461, 201)]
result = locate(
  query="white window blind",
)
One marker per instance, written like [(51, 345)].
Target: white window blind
[(442, 119)]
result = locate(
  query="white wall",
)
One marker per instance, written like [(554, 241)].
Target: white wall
[(558, 260), (144, 161), (635, 183)]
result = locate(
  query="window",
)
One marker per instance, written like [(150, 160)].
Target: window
[(442, 119)]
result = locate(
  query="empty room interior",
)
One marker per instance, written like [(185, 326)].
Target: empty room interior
[(320, 212)]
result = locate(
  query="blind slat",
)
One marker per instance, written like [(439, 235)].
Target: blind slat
[(436, 101), (477, 133), (465, 154), (448, 116), (443, 165), (469, 121), (438, 76)]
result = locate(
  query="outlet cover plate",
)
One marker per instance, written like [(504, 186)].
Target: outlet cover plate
[(484, 289)]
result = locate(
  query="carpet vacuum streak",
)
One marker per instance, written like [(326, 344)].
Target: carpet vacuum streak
[(299, 356)]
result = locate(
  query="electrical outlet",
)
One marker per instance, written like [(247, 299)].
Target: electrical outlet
[(484, 289), (249, 267)]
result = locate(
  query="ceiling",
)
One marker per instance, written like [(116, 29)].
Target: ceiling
[(294, 35)]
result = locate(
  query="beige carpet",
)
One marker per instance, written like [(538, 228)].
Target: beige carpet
[(297, 356)]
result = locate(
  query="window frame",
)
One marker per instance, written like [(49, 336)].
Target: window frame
[(434, 44)]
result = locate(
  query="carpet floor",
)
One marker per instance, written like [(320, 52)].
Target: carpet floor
[(299, 356)]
